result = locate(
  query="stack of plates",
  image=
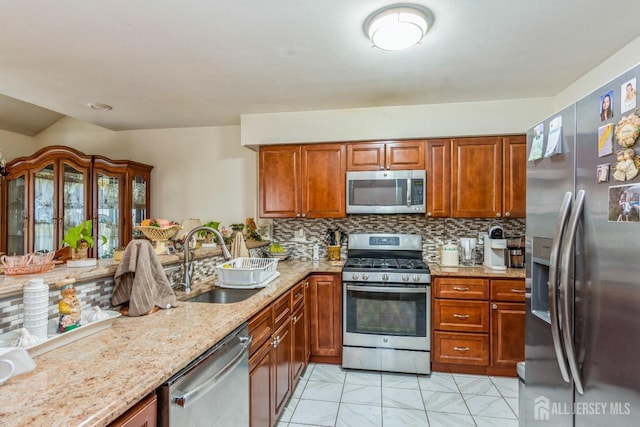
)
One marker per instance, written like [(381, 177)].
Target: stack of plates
[(36, 308)]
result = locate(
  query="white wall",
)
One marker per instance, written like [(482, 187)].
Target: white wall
[(616, 64), (198, 172), (15, 145), (414, 121)]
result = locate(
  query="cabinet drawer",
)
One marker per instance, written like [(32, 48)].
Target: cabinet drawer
[(281, 310), (467, 349), (455, 287), (297, 294), (260, 328), (507, 290), (461, 316)]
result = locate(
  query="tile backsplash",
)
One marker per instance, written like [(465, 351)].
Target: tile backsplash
[(434, 231)]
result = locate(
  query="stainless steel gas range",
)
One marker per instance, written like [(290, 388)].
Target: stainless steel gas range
[(386, 297)]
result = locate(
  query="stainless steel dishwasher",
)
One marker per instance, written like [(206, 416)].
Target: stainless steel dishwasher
[(211, 390)]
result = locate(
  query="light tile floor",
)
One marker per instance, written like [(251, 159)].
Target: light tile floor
[(327, 395)]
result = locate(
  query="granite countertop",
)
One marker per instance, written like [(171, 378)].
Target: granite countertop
[(96, 379), (476, 271)]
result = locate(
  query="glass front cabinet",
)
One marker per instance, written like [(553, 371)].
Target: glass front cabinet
[(58, 187)]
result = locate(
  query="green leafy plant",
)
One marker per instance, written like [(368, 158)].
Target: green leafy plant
[(212, 224), (81, 233)]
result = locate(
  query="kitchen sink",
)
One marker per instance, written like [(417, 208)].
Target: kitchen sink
[(224, 295)]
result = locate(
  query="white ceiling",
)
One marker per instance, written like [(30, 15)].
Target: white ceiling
[(169, 63)]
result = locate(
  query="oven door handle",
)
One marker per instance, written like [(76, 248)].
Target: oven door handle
[(387, 290)]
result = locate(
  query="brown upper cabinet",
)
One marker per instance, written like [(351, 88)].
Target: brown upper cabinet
[(302, 181), (480, 177), (438, 177), (58, 187), (389, 155)]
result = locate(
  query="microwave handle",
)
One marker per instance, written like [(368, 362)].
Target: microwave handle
[(408, 192)]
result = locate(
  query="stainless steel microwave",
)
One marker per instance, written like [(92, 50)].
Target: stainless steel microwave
[(386, 192)]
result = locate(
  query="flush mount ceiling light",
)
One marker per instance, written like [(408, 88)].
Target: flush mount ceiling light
[(397, 27), (100, 107)]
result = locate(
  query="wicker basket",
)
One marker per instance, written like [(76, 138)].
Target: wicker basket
[(159, 234), (247, 271)]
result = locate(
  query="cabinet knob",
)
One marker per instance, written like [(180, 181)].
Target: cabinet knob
[(297, 215), (507, 214), (498, 215), (304, 215), (494, 306), (388, 168), (381, 168), (429, 214)]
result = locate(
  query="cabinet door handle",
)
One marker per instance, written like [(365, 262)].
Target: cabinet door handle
[(429, 214), (298, 295), (294, 319), (382, 167), (461, 348), (460, 288), (276, 341), (518, 291), (460, 316), (498, 215), (494, 306), (507, 214)]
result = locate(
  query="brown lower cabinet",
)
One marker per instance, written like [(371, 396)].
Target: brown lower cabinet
[(325, 316), (143, 414), (478, 325), (278, 354)]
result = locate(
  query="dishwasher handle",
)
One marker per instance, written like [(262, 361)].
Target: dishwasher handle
[(191, 396)]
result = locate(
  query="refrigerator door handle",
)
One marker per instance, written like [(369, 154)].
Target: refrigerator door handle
[(554, 256), (565, 303)]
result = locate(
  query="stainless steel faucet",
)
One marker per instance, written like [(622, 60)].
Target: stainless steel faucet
[(186, 265)]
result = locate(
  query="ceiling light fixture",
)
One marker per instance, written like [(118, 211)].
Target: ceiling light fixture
[(397, 27), (100, 107)]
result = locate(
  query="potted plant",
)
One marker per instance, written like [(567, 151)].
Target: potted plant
[(207, 235), (117, 253), (80, 239)]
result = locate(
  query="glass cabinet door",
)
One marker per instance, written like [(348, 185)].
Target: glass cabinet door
[(16, 213), (44, 210), (108, 220), (74, 189), (139, 203)]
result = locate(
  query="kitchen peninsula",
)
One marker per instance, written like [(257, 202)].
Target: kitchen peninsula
[(96, 379)]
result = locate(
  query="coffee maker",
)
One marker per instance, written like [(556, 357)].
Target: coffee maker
[(515, 245), (494, 248)]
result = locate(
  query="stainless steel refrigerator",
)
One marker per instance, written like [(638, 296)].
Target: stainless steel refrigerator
[(583, 266)]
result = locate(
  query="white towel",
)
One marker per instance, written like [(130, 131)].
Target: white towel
[(140, 280)]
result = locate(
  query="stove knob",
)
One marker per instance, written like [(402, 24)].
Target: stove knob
[(385, 277), (405, 277), (416, 277), (354, 276), (365, 276)]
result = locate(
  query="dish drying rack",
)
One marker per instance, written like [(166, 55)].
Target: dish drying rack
[(247, 272)]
